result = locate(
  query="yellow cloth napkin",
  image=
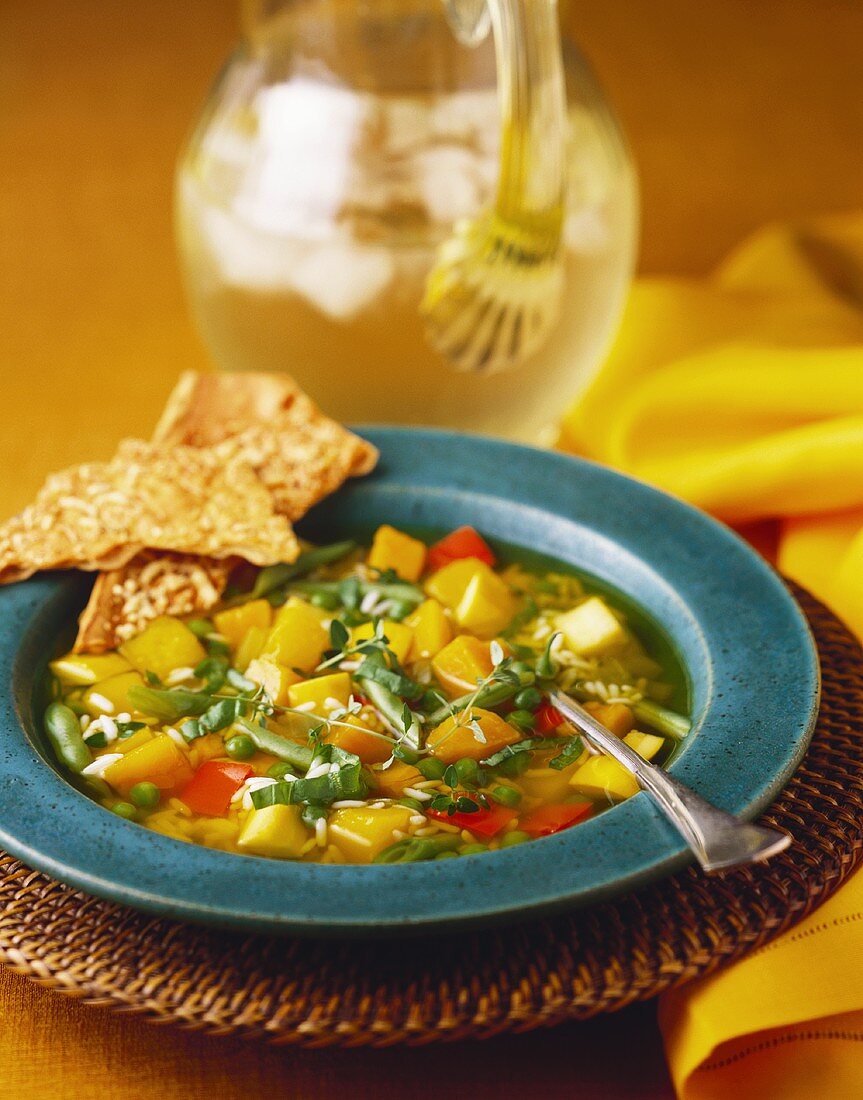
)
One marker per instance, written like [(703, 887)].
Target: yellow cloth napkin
[(743, 393)]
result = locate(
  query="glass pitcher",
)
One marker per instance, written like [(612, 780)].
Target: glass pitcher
[(423, 210)]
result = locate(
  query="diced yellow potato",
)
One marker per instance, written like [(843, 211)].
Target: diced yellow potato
[(461, 663), (601, 776), (431, 627), (337, 685), (138, 738), (354, 737), (81, 668), (616, 717), (274, 678), (450, 741), (449, 584), (251, 646), (275, 831), (591, 629), (645, 744), (547, 784), (392, 549), (486, 606), (400, 637), (160, 761), (360, 834), (392, 781), (113, 692), (162, 646), (236, 621), (297, 638), (209, 747)]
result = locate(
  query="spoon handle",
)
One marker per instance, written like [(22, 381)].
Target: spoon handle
[(718, 840)]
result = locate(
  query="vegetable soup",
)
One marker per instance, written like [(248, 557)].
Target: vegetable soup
[(380, 705)]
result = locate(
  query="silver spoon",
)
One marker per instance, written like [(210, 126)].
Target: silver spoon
[(718, 840)]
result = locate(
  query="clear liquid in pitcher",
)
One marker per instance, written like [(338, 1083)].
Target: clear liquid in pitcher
[(310, 213)]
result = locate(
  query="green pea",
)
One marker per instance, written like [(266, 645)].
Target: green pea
[(240, 747), (327, 601), (405, 754), (312, 814), (528, 699), (509, 840), (514, 766), (472, 849), (430, 768), (447, 855), (523, 719), (64, 733), (506, 796), (124, 809), (410, 803), (466, 770), (145, 796)]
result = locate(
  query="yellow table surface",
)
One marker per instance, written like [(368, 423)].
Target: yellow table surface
[(738, 114)]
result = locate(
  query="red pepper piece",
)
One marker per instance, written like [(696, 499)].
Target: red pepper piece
[(213, 785), (548, 718), (483, 822), (462, 543), (545, 820)]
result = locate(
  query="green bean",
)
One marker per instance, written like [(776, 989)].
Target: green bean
[(64, 733), (522, 719), (662, 719), (472, 849), (418, 848), (490, 696), (300, 756), (392, 708), (275, 576), (410, 803), (400, 591)]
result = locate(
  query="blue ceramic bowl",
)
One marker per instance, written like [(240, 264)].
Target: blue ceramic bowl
[(750, 659)]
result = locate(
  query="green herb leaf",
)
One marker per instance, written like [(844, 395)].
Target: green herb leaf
[(393, 679), (571, 752), (170, 705), (339, 636), (213, 671), (220, 715), (528, 745)]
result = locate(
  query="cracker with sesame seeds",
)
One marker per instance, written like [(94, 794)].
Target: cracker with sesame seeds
[(300, 454), (124, 601), (183, 499)]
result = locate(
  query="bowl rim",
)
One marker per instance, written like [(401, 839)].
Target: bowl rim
[(695, 571)]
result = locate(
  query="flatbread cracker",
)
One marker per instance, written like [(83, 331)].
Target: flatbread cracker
[(101, 515), (124, 601), (300, 454)]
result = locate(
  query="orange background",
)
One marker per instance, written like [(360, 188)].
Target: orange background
[(738, 113)]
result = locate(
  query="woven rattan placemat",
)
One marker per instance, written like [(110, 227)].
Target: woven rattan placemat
[(478, 983)]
